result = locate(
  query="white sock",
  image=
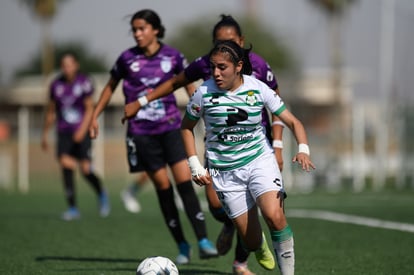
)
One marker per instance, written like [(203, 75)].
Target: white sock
[(285, 255)]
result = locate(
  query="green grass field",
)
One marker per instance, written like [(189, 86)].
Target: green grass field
[(33, 240)]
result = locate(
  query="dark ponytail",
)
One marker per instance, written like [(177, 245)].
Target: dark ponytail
[(236, 54), (226, 21)]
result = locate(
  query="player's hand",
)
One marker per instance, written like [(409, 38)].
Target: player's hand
[(44, 143), (279, 157), (202, 179), (94, 129), (304, 160), (199, 174), (130, 110), (78, 136)]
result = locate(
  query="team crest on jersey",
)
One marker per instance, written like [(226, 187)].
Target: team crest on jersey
[(134, 66), (166, 65), (251, 98)]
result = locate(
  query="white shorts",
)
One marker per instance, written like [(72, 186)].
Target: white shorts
[(238, 189)]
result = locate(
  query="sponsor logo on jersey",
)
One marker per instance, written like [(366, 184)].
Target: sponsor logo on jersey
[(214, 99), (134, 66), (235, 137), (150, 81)]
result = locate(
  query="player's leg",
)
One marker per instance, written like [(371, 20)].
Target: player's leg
[(271, 205), (83, 154), (225, 238), (146, 153), (267, 186), (165, 194), (248, 227), (67, 164), (176, 157), (191, 203), (129, 194)]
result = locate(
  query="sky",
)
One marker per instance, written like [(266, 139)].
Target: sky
[(103, 24)]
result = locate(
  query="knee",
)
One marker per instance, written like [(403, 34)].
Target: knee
[(276, 220)]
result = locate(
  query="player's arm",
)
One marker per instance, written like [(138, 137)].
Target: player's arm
[(303, 156), (87, 116), (50, 116), (199, 174), (166, 88), (103, 101), (277, 134)]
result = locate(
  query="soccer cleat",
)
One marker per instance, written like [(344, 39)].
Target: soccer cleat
[(225, 239), (264, 255), (206, 249), (241, 269), (185, 253), (104, 207), (71, 214), (130, 202)]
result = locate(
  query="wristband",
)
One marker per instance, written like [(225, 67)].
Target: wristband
[(304, 148), (278, 122), (143, 101), (277, 143), (195, 166)]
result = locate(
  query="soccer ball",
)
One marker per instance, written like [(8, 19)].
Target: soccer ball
[(157, 266)]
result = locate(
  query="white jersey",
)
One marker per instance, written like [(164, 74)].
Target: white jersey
[(234, 134)]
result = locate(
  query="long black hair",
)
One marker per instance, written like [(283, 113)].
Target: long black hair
[(152, 18), (236, 54), (226, 21)]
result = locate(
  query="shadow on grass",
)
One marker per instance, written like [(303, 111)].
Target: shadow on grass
[(187, 269), (85, 259)]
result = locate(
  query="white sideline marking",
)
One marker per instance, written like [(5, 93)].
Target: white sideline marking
[(353, 219)]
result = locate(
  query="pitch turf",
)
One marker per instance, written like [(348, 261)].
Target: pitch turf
[(34, 241)]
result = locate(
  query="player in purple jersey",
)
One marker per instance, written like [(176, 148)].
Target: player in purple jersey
[(153, 135), (226, 29), (70, 103)]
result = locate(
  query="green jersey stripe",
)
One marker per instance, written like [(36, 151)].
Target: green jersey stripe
[(232, 164), (232, 152)]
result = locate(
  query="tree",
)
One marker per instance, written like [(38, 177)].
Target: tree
[(89, 62), (45, 11)]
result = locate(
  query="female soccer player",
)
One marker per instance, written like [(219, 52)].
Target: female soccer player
[(226, 29), (242, 167), (71, 102), (153, 135)]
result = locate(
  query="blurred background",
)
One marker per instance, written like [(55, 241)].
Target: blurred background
[(344, 67)]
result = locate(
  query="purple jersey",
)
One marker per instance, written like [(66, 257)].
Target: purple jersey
[(69, 101), (141, 74), (200, 68)]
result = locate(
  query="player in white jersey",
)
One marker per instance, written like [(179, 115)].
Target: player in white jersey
[(242, 167)]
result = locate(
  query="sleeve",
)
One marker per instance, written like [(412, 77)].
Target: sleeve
[(118, 70), (264, 72), (181, 63), (194, 108), (272, 101), (194, 72), (88, 87)]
